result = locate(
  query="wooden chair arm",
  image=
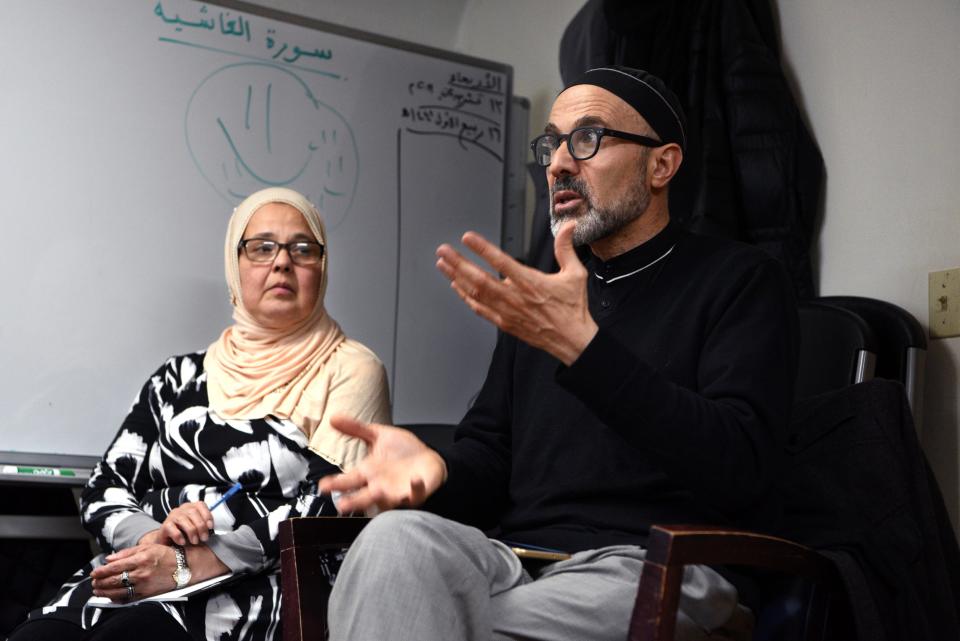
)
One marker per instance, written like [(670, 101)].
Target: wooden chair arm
[(671, 547), (305, 588), (328, 531)]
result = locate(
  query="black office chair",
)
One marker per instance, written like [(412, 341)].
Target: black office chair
[(901, 345), (837, 348)]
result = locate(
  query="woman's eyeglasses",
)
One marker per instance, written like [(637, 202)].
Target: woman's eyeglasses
[(302, 252)]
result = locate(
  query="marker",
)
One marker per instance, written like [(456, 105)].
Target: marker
[(540, 555), (233, 490), (528, 546), (39, 471)]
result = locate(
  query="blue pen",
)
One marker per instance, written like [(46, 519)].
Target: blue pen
[(233, 490)]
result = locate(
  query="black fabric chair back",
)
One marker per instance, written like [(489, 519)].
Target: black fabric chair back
[(901, 344), (837, 349)]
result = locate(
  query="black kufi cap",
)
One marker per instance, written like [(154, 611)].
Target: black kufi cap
[(647, 94)]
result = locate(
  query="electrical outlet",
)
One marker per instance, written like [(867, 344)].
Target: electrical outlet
[(945, 303)]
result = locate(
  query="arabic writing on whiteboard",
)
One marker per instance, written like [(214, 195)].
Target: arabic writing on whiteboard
[(467, 108), (229, 24)]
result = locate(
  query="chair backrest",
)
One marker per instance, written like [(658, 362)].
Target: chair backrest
[(837, 348), (901, 344)]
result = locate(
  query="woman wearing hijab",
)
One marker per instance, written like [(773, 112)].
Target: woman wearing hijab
[(253, 409)]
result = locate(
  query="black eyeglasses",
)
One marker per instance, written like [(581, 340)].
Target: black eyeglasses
[(582, 143), (261, 250)]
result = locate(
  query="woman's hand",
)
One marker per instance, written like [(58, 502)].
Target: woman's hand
[(149, 569), (398, 471), (188, 524), (154, 536)]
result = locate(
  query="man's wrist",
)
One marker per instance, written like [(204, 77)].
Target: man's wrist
[(578, 343)]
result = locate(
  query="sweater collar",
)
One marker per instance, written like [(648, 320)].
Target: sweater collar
[(636, 260)]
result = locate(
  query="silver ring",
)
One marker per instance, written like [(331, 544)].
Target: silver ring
[(125, 579), (130, 592)]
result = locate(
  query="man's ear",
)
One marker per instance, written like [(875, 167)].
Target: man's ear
[(665, 163)]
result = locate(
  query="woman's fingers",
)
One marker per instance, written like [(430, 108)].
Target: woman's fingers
[(108, 578), (119, 595), (173, 532), (202, 510), (148, 571), (116, 556), (189, 523), (154, 536), (180, 529), (200, 523)]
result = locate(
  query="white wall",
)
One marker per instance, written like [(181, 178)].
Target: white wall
[(880, 83), (524, 34)]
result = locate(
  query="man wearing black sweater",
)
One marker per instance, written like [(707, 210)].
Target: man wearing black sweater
[(648, 381)]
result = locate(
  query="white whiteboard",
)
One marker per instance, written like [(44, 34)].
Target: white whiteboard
[(130, 130)]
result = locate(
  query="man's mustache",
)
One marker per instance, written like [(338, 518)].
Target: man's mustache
[(569, 183)]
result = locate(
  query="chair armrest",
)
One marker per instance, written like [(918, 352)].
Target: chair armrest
[(305, 588), (669, 548), (324, 531)]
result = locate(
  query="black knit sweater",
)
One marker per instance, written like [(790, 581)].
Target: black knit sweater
[(674, 413)]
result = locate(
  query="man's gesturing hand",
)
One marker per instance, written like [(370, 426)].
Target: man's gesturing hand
[(547, 311), (398, 470)]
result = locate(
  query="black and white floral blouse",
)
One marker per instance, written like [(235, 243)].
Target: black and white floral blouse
[(172, 449)]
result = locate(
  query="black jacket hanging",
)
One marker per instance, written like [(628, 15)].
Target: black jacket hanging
[(751, 171)]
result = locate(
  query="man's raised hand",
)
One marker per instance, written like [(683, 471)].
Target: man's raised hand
[(547, 311)]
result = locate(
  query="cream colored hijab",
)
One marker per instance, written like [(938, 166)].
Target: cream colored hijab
[(252, 370)]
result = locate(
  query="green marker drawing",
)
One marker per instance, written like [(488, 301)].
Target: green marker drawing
[(267, 123)]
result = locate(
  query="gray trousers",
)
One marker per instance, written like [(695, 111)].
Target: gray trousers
[(415, 576)]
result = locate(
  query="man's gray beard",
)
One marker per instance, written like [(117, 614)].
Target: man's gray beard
[(598, 223)]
